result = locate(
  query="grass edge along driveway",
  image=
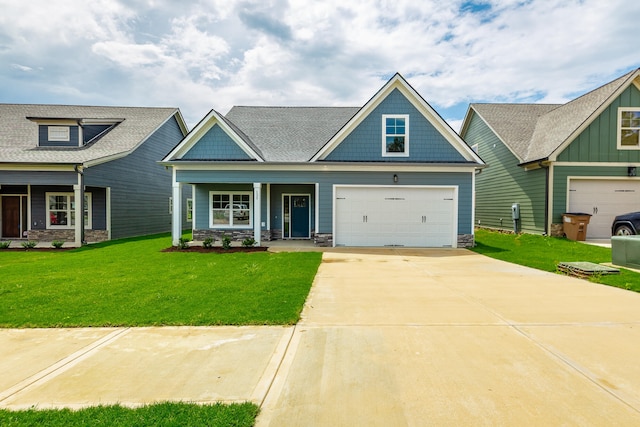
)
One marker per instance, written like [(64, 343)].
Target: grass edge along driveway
[(131, 282), (544, 253)]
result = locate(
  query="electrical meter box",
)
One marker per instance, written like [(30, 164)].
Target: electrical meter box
[(515, 211)]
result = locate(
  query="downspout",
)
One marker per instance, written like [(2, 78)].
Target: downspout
[(546, 197)]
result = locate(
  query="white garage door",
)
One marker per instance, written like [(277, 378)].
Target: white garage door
[(603, 199), (396, 216)]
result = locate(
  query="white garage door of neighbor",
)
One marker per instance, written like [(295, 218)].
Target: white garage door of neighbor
[(396, 216), (603, 199)]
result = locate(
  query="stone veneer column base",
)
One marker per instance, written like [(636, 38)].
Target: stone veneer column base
[(466, 241)]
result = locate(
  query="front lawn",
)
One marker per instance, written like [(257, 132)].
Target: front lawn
[(162, 414), (132, 283), (544, 253)]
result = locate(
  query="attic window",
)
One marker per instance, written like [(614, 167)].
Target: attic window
[(395, 135), (629, 128), (59, 133)]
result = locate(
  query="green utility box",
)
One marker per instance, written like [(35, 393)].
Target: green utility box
[(625, 251), (574, 225)]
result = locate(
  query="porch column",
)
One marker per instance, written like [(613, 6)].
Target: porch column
[(78, 198), (176, 220), (257, 211)]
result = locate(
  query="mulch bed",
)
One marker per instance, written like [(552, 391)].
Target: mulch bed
[(216, 249)]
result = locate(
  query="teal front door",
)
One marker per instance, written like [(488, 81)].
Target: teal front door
[(296, 214)]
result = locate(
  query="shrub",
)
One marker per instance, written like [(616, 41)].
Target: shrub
[(5, 244), (57, 244), (226, 242), (208, 242), (248, 242), (29, 244), (183, 243)]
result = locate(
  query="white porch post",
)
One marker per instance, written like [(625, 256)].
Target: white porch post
[(108, 196), (176, 220), (79, 212), (257, 211)]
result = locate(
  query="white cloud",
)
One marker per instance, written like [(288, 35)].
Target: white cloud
[(199, 55)]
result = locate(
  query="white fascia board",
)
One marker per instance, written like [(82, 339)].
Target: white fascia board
[(554, 155), (322, 166), (201, 129)]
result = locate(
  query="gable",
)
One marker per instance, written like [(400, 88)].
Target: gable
[(215, 144), (425, 142), (598, 141)]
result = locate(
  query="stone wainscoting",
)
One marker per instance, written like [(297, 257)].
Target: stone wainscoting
[(236, 235), (466, 241), (66, 235), (557, 230), (323, 240)]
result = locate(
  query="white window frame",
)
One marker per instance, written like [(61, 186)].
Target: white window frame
[(69, 210), (189, 213), (59, 133), (230, 213), (385, 153), (619, 129)]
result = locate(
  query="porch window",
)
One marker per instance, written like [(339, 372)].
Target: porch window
[(231, 209), (395, 135), (61, 210), (628, 128)]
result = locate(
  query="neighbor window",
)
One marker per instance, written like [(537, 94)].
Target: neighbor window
[(59, 133), (189, 210), (230, 209), (61, 210), (395, 135), (629, 128)]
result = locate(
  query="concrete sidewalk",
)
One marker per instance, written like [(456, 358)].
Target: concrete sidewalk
[(388, 337)]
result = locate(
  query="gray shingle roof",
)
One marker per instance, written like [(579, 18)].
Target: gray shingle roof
[(289, 134), (19, 135), (535, 131)]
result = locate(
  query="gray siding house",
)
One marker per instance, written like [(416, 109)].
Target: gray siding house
[(578, 157), (389, 173), (51, 156)]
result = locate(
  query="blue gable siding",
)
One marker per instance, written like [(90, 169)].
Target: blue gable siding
[(216, 145), (426, 144)]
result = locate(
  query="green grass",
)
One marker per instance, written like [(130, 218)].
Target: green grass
[(131, 282), (162, 414), (544, 253)]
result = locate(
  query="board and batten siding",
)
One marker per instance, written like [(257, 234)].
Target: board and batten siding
[(326, 180), (598, 142), (504, 183), (140, 187), (426, 143)]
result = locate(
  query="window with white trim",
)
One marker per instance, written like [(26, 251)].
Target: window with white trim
[(395, 135), (231, 209), (189, 210), (61, 210), (59, 133), (628, 128)]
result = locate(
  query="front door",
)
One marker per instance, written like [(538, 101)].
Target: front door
[(296, 216), (11, 216)]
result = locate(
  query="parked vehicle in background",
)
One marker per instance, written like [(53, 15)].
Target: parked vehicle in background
[(626, 224)]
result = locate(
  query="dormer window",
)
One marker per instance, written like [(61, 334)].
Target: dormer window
[(59, 133)]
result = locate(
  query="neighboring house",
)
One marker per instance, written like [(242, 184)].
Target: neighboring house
[(391, 173), (578, 157), (53, 155)]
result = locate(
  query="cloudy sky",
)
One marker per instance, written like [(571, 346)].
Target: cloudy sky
[(199, 55)]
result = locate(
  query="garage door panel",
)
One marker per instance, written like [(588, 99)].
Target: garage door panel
[(603, 199), (395, 216)]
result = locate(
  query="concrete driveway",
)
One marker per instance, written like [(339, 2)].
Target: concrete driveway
[(388, 337)]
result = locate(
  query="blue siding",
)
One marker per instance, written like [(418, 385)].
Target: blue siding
[(37, 178), (216, 145), (426, 144), (326, 180), (43, 137), (140, 187)]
